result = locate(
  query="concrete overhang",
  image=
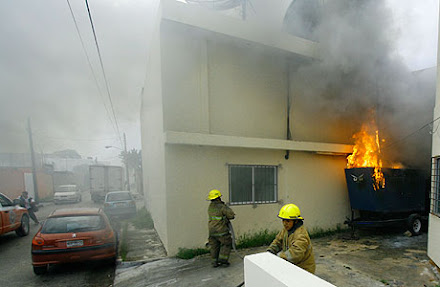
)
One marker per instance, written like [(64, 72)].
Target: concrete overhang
[(216, 22), (183, 138)]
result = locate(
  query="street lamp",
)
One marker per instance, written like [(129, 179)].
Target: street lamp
[(126, 161)]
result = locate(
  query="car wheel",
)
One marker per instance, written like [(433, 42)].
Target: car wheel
[(40, 270), (23, 230), (415, 224)]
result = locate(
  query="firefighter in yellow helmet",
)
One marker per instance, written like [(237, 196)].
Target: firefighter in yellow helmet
[(220, 240), (293, 243)]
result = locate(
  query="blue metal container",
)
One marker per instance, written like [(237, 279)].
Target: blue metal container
[(405, 190)]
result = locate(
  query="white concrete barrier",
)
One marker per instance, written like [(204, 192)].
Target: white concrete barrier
[(265, 269)]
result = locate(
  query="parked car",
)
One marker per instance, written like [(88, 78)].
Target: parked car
[(13, 217), (73, 235), (119, 204), (67, 193)]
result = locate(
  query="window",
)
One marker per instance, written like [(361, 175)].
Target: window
[(73, 223), (250, 184), (4, 201), (435, 186), (120, 196)]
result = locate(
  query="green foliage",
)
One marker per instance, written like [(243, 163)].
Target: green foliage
[(132, 159), (123, 247), (185, 253), (260, 238), (257, 239), (319, 232), (143, 219)]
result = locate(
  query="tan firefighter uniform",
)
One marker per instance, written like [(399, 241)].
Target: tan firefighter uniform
[(220, 240), (294, 245), (295, 248)]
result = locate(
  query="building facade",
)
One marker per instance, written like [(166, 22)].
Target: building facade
[(434, 216), (216, 113)]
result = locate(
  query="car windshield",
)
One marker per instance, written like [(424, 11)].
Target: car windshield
[(118, 196), (65, 188), (78, 223)]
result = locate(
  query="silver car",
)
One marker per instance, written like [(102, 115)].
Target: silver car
[(67, 193), (119, 204)]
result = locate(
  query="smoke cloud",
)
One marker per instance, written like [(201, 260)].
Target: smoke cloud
[(359, 71)]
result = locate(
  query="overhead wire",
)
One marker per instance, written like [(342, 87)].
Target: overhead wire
[(90, 65), (84, 140), (411, 134), (103, 71)]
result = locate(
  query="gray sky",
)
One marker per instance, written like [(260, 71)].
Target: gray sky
[(45, 75)]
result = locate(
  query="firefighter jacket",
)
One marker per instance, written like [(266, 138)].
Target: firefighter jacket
[(219, 215), (295, 246)]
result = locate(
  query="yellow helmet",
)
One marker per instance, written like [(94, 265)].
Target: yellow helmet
[(290, 211), (213, 194)]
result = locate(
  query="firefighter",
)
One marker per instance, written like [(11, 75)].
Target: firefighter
[(293, 243), (220, 240)]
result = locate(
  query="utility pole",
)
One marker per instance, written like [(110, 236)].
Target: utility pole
[(126, 163), (34, 169)]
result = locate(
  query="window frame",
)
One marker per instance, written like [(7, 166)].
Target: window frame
[(253, 201), (435, 186)]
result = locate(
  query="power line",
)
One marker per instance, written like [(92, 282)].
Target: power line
[(103, 70), (85, 140), (90, 65), (411, 134)]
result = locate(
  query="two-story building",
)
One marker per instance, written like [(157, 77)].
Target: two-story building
[(217, 113)]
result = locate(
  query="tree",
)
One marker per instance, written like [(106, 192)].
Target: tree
[(133, 161)]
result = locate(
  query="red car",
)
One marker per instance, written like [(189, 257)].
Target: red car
[(13, 217), (73, 235)]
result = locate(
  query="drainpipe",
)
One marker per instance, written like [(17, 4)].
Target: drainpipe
[(288, 133)]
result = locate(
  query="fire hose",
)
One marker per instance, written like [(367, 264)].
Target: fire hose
[(231, 230)]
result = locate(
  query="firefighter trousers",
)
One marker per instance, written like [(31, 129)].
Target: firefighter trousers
[(220, 247)]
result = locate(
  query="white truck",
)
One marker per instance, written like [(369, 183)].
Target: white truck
[(103, 179)]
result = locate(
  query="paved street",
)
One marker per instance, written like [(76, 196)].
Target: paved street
[(16, 266)]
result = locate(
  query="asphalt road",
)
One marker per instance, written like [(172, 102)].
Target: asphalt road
[(16, 264)]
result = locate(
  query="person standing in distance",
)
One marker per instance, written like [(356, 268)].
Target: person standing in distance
[(28, 203), (220, 240)]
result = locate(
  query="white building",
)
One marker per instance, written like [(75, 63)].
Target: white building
[(434, 216), (215, 114)]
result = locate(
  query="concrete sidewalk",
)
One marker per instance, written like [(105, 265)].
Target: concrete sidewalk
[(376, 259)]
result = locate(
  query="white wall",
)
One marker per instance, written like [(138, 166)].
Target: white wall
[(433, 239), (221, 86), (248, 91), (266, 269), (314, 182), (153, 154)]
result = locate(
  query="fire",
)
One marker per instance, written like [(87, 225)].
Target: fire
[(366, 153)]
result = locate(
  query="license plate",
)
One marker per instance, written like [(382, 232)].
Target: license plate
[(74, 243)]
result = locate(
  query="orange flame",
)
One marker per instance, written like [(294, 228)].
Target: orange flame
[(366, 153)]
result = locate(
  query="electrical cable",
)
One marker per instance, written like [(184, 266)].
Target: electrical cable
[(103, 71), (411, 134), (72, 139), (90, 65)]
